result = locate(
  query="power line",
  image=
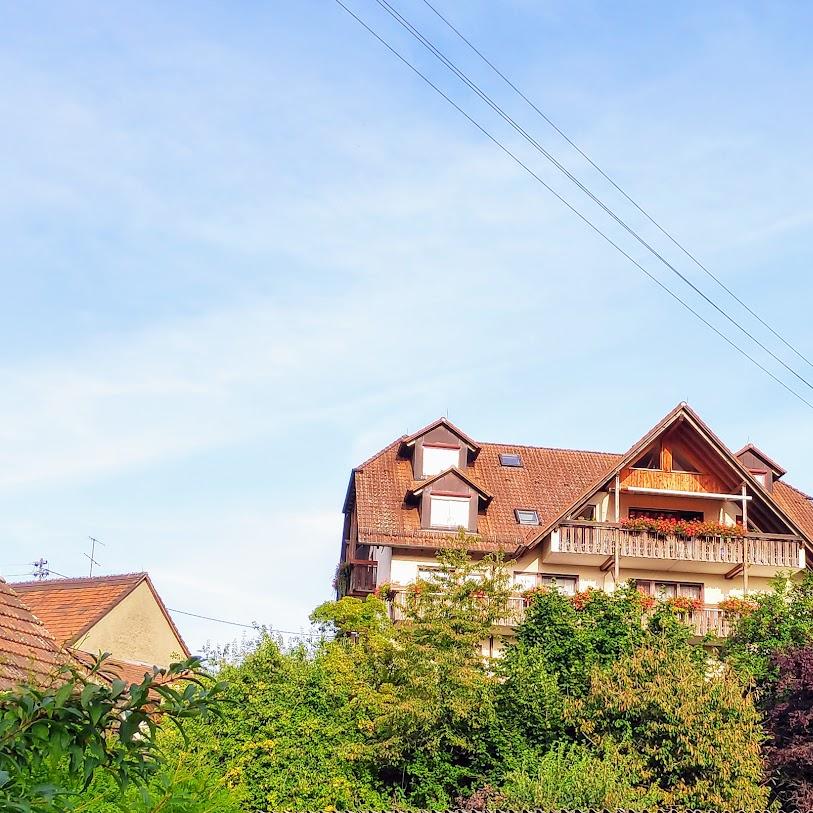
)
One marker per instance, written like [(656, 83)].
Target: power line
[(247, 626), (572, 208), (617, 186), (411, 29)]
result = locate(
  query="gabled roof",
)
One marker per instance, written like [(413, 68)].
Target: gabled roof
[(771, 464), (71, 607), (27, 648), (683, 412), (446, 423), (553, 482), (420, 485), (547, 480)]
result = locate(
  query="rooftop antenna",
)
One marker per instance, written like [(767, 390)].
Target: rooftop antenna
[(92, 557), (41, 569)]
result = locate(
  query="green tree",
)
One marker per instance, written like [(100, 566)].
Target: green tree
[(694, 734), (55, 739), (779, 621)]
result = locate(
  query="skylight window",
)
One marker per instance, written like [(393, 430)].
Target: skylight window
[(527, 516), (510, 459)]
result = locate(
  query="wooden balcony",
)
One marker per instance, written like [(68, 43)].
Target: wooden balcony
[(707, 621), (363, 575), (595, 542)]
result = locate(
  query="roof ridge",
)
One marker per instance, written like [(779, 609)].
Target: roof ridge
[(552, 448), (80, 580)]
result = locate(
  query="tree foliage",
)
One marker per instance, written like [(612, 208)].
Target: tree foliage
[(55, 739)]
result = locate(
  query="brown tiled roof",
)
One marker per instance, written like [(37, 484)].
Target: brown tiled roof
[(796, 504), (70, 607), (550, 481), (27, 649), (547, 481)]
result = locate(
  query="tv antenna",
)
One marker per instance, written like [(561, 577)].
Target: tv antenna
[(41, 569), (92, 557)]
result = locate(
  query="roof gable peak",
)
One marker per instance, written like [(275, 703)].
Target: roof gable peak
[(409, 440)]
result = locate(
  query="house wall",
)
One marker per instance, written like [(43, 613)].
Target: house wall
[(404, 570), (134, 630)]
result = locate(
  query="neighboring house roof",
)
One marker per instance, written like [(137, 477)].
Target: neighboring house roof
[(71, 607), (551, 481), (27, 648)]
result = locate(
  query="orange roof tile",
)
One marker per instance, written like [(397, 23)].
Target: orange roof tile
[(70, 607), (549, 481), (27, 649)]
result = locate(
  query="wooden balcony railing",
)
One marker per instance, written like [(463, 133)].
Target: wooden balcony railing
[(363, 575), (600, 538), (705, 621)]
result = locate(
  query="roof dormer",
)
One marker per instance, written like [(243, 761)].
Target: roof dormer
[(438, 447), (450, 501), (764, 470)]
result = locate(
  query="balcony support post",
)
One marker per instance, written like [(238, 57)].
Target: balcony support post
[(616, 534), (745, 545)]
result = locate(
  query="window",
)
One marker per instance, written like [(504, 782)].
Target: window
[(682, 463), (527, 581), (650, 459), (665, 513), (449, 512), (526, 516), (588, 513), (760, 476), (665, 590), (439, 458), (510, 460)]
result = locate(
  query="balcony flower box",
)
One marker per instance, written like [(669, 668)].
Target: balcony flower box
[(737, 606), (684, 604), (668, 526)]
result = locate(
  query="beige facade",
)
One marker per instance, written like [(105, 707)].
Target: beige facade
[(135, 630)]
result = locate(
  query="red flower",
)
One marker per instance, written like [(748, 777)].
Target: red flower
[(669, 526)]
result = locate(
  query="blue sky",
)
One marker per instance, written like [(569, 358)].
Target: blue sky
[(237, 239)]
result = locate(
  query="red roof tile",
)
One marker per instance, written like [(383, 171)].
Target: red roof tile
[(27, 649), (70, 607), (549, 481)]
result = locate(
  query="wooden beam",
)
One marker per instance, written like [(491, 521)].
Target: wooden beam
[(670, 492), (735, 571), (607, 564), (745, 544)]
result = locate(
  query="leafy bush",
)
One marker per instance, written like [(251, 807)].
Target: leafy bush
[(55, 740), (571, 777), (694, 734), (789, 720)]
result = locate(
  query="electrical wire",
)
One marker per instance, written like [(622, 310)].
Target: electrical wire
[(570, 206), (247, 626), (409, 27), (617, 186)]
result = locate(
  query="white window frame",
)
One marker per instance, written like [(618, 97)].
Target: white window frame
[(462, 504), (438, 458)]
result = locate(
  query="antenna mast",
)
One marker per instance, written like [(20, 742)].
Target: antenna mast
[(92, 557)]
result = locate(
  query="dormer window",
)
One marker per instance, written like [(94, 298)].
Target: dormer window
[(439, 457), (446, 511), (526, 516), (761, 476), (511, 460)]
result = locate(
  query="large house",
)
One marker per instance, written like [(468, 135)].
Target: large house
[(581, 519), (122, 615)]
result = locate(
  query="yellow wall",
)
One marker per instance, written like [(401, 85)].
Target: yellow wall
[(404, 569), (134, 630)]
